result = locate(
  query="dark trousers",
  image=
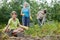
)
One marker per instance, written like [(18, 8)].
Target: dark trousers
[(39, 21), (10, 32), (25, 21)]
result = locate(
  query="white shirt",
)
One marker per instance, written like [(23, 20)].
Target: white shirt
[(40, 15)]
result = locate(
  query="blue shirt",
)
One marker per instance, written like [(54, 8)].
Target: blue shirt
[(25, 11)]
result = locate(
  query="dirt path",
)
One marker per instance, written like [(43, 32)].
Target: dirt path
[(25, 37), (56, 37)]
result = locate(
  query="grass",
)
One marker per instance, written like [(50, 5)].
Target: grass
[(49, 28)]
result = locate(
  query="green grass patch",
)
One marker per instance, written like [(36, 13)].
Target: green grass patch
[(49, 28)]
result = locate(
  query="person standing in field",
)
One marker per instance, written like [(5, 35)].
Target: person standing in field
[(41, 16), (25, 12)]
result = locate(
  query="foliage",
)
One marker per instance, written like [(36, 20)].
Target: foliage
[(53, 11), (50, 28)]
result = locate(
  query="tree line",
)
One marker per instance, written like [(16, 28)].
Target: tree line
[(53, 11)]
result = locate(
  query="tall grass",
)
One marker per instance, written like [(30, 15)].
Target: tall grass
[(49, 28)]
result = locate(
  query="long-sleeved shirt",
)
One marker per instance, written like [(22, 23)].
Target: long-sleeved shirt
[(42, 16)]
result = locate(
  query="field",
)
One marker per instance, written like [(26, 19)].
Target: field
[(51, 28)]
